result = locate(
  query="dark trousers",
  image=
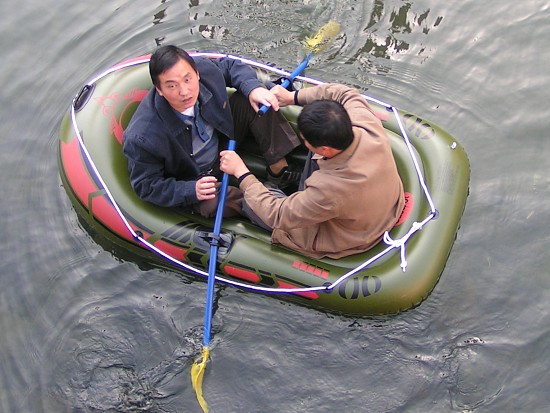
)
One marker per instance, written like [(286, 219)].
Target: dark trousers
[(271, 132), (274, 137)]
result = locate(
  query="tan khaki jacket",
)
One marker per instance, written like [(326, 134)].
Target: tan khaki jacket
[(347, 204)]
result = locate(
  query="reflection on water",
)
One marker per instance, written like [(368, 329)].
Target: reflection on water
[(383, 31), (213, 32), (387, 32)]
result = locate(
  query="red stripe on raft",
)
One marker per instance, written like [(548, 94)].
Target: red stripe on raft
[(242, 274), (310, 295), (135, 59), (79, 179), (87, 192), (104, 212), (170, 249), (382, 116), (319, 272), (409, 203)]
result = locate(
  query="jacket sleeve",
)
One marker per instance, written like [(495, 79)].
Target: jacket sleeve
[(148, 180), (361, 114), (299, 210), (238, 75)]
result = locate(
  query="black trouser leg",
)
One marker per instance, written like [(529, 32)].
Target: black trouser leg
[(272, 132)]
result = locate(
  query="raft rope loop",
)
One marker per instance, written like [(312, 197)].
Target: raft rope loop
[(390, 242)]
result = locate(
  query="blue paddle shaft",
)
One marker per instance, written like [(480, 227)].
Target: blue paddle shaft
[(214, 253), (286, 83)]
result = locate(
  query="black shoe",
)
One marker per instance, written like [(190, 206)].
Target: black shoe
[(287, 177)]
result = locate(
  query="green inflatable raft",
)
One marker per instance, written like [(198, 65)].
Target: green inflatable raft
[(395, 275)]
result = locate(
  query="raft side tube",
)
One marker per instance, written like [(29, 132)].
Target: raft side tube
[(381, 287)]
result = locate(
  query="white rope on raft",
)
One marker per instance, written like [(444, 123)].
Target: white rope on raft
[(391, 243)]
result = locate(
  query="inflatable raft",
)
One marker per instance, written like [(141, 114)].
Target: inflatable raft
[(395, 275)]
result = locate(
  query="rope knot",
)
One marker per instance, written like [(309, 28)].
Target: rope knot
[(401, 242)]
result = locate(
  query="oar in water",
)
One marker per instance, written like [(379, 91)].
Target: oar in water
[(197, 369), (314, 44)]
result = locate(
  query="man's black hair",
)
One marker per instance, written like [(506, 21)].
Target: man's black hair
[(164, 58), (326, 123)]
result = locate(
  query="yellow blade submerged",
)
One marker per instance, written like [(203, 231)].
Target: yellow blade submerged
[(323, 36), (197, 374)]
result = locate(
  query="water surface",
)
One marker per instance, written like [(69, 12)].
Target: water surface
[(86, 331)]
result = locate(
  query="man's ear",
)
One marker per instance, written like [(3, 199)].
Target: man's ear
[(159, 91), (327, 151)]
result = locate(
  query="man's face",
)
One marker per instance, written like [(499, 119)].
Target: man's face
[(179, 85)]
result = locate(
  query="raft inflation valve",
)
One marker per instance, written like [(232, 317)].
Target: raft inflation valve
[(83, 96)]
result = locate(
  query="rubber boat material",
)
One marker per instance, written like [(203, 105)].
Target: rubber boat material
[(397, 274)]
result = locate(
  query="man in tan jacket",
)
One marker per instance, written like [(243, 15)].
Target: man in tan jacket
[(353, 197)]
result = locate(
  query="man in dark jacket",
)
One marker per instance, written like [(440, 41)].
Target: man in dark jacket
[(173, 141)]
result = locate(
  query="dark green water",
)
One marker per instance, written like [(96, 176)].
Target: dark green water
[(82, 331)]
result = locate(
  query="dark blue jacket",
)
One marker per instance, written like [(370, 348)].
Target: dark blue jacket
[(157, 143)]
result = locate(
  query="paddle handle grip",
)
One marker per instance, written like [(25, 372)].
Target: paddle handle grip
[(263, 110), (223, 193)]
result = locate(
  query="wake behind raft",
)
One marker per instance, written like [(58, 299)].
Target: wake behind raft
[(395, 275)]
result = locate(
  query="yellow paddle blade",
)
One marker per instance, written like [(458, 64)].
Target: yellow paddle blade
[(323, 36), (197, 373)]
